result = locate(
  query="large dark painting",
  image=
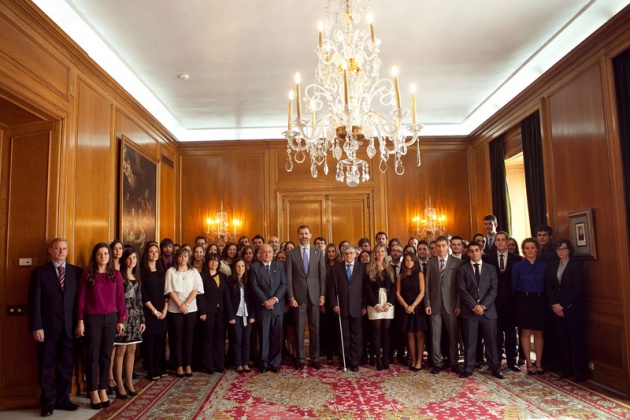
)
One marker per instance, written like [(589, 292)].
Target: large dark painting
[(138, 195)]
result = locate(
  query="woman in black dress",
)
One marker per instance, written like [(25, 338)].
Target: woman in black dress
[(410, 292), (210, 312), (155, 310)]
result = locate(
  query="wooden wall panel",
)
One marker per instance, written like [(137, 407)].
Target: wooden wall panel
[(237, 180), (480, 192), (94, 185), (443, 175)]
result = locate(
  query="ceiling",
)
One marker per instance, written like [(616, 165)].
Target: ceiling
[(467, 57)]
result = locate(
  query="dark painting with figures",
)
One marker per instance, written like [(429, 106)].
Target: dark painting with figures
[(138, 187)]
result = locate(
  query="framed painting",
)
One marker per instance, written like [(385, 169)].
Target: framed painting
[(583, 234), (138, 195)]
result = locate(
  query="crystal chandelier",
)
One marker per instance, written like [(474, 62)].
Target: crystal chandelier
[(343, 102), (219, 227), (431, 225)]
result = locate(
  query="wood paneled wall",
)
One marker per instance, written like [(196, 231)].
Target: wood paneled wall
[(251, 179), (577, 105), (62, 179)]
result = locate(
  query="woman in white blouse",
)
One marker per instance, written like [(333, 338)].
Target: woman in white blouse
[(182, 284)]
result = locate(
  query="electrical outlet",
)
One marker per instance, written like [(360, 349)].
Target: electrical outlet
[(25, 262), (591, 365)]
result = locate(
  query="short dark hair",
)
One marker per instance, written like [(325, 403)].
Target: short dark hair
[(201, 237), (258, 237), (303, 227), (567, 243), (490, 217), (502, 232), (474, 244), (423, 242), (454, 238), (319, 238), (363, 241), (544, 228), (380, 233), (442, 238), (165, 242)]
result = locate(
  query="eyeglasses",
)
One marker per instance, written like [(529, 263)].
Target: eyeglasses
[(562, 249)]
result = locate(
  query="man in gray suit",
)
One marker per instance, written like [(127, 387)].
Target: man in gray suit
[(269, 285), (306, 286), (478, 285), (442, 303)]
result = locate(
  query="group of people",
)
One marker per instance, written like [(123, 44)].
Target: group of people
[(364, 304)]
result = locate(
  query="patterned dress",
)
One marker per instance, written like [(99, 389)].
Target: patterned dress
[(135, 314)]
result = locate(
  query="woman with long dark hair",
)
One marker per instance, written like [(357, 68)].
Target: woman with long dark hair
[(380, 292), (410, 288), (125, 344), (182, 284), (327, 318), (229, 253), (101, 313), (116, 247), (240, 315), (198, 258), (211, 315), (155, 310)]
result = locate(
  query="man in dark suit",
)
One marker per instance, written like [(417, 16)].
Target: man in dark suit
[(503, 261), (565, 287), (346, 299), (442, 303), (306, 286), (477, 287), (51, 299), (490, 225), (269, 286)]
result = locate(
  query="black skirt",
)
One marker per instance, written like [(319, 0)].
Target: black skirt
[(531, 310)]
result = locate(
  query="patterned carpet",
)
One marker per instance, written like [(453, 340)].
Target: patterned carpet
[(367, 394)]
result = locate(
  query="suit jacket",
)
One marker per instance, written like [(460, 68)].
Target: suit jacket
[(265, 285), (349, 292), (441, 289), (49, 307), (212, 299), (298, 282), (483, 293), (233, 299), (568, 292), (505, 298)]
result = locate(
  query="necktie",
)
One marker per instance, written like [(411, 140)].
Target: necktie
[(62, 277), (490, 241), (442, 265), (267, 266), (501, 262), (395, 266), (349, 271), (305, 258), (424, 267), (477, 275)]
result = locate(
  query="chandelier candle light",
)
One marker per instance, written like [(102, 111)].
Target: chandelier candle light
[(346, 90), (219, 227)]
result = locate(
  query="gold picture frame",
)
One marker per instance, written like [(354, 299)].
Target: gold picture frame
[(138, 195), (583, 234)]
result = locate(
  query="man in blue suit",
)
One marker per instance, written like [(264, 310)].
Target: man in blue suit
[(477, 285), (269, 286), (51, 298)]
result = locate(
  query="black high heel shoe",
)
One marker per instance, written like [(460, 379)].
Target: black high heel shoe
[(130, 392), (111, 387), (122, 396)]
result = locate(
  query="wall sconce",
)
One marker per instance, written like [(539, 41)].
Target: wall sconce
[(431, 224), (219, 227)]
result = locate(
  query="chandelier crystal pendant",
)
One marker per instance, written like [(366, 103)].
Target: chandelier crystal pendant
[(349, 104)]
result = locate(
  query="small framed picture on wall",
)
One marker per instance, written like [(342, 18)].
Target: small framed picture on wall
[(583, 233)]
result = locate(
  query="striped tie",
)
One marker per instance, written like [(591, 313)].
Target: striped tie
[(62, 277)]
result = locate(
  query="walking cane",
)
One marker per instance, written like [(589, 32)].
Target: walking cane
[(343, 350)]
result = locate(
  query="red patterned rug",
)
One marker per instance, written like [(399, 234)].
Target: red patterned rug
[(367, 394)]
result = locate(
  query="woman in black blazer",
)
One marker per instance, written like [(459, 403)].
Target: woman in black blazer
[(565, 286), (240, 315), (211, 315)]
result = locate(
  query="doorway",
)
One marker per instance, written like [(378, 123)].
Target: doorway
[(517, 196)]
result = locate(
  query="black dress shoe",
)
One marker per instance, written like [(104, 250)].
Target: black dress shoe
[(498, 375), (514, 368), (354, 368), (275, 369), (465, 374), (264, 370), (47, 411), (435, 370), (316, 365), (96, 406), (67, 406), (299, 366), (456, 369)]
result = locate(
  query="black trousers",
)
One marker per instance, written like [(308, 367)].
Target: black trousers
[(352, 339), (571, 342), (182, 327), (153, 349), (213, 342), (100, 331), (506, 336), (240, 341), (56, 359)]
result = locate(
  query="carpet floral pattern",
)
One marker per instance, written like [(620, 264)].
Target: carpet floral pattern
[(367, 394)]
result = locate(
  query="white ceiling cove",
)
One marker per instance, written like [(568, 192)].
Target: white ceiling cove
[(467, 57)]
